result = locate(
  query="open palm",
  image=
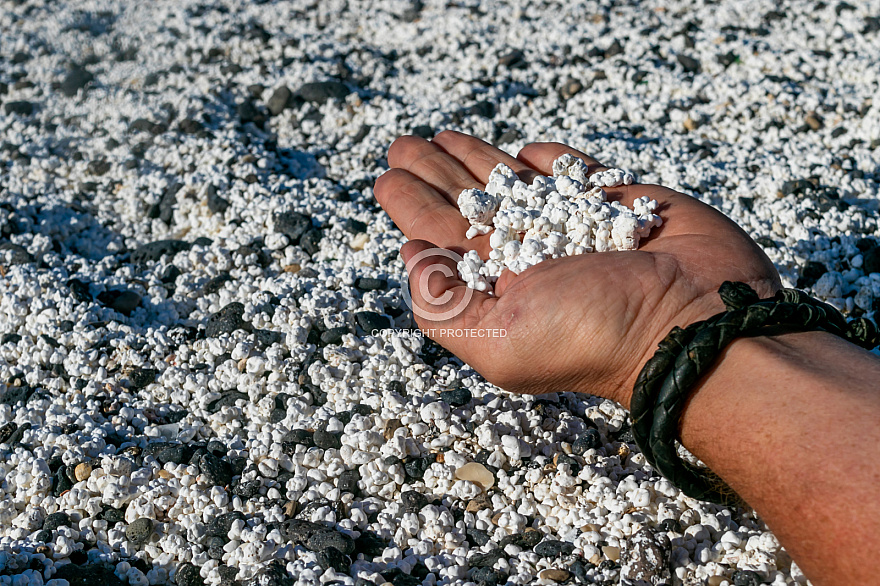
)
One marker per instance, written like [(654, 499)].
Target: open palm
[(585, 323)]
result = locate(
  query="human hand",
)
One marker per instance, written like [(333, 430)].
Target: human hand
[(584, 323)]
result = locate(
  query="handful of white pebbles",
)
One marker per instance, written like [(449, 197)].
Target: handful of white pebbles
[(563, 215)]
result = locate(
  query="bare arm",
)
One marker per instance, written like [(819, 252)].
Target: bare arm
[(792, 423)]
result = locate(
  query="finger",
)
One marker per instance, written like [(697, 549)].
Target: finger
[(419, 210), (540, 156), (443, 305), (433, 165), (480, 157)]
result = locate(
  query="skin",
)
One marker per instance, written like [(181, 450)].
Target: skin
[(789, 421)]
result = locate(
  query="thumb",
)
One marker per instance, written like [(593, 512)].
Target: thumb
[(442, 303)]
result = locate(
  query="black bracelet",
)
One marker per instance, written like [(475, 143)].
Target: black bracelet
[(687, 354)]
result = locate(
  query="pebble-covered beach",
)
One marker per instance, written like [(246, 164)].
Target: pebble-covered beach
[(193, 266)]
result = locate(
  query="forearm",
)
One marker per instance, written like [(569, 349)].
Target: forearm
[(792, 423)]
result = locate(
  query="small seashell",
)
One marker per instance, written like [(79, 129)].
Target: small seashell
[(476, 473)]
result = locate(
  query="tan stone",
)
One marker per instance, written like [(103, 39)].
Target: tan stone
[(476, 473), (391, 426), (82, 471), (165, 474), (716, 581), (290, 508), (294, 268), (611, 552), (554, 574), (623, 451), (690, 124), (479, 503)]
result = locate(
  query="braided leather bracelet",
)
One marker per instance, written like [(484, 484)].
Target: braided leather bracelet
[(682, 357)]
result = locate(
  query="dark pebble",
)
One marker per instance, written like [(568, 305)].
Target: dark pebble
[(19, 107), (321, 91), (670, 525), (112, 516), (216, 203), (139, 530), (16, 436), (299, 531), (215, 284), (552, 548), (221, 524), (215, 548), (188, 575), (415, 466), (19, 256), (333, 558), (871, 260), (311, 241), (747, 578), (154, 251), (423, 131), (122, 300), (413, 501), (275, 574), (334, 335), (348, 481), (370, 321), (279, 101), (6, 431), (327, 439), (79, 290), (227, 399), (485, 577), (203, 241), (797, 186), (354, 226), (10, 338), (613, 50), (486, 560), (164, 208), (301, 437), (328, 538), (579, 569), (61, 482), (190, 126), (16, 395), (227, 575), (484, 108), (370, 284), (141, 377), (810, 273), (144, 125), (88, 575), (405, 580), (456, 397), (515, 59), (77, 79), (218, 472), (43, 536), (369, 543), (524, 540), (292, 224), (170, 274), (175, 454), (227, 320), (56, 520), (249, 111), (98, 167), (689, 64), (573, 464), (248, 488), (588, 440)]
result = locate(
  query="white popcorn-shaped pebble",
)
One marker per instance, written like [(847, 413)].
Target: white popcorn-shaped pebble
[(477, 206), (564, 215)]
